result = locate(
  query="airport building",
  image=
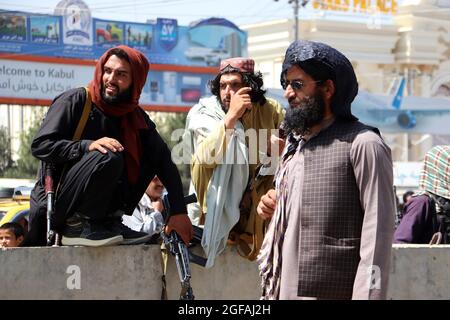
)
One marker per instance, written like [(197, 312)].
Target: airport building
[(384, 41)]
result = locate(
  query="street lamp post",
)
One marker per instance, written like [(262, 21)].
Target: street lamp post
[(296, 6)]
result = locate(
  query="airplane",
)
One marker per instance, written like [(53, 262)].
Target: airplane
[(396, 113)]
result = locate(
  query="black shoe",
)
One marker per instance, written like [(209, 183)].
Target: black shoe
[(80, 231), (129, 236)]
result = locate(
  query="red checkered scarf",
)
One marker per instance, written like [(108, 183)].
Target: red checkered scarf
[(239, 63), (435, 176)]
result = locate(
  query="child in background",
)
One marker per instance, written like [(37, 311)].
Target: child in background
[(11, 235)]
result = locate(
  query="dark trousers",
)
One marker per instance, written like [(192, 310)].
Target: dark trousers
[(90, 187)]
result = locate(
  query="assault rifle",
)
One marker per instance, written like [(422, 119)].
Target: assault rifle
[(178, 248), (50, 196)]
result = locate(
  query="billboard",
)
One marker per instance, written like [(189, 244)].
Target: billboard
[(77, 24), (108, 33), (72, 33), (45, 29), (182, 58), (139, 36), (13, 27)]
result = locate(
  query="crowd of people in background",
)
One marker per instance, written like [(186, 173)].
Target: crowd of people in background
[(426, 215)]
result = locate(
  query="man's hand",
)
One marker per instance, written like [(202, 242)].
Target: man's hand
[(182, 225), (266, 206), (104, 144), (276, 144), (158, 205), (240, 101)]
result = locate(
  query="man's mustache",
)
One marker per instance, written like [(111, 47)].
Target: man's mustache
[(111, 85)]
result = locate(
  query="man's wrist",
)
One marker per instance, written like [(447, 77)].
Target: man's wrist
[(85, 145), (229, 122)]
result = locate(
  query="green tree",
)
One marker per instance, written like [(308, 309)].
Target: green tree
[(5, 152), (166, 123), (26, 166)]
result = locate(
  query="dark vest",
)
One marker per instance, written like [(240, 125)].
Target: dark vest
[(331, 214)]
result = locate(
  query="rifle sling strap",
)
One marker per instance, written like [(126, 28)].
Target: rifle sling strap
[(80, 128), (84, 116)]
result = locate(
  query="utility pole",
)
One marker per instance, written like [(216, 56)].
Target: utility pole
[(296, 6)]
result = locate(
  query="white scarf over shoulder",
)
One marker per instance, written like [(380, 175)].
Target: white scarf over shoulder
[(228, 181)]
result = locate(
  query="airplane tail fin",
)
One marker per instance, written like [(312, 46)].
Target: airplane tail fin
[(396, 103)]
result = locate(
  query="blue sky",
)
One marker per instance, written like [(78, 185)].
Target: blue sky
[(186, 11)]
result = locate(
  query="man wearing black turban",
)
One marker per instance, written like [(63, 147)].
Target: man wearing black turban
[(332, 210)]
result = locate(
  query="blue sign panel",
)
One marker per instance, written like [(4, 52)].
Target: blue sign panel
[(108, 33), (45, 29), (175, 88), (74, 34), (139, 36), (167, 33), (13, 26)]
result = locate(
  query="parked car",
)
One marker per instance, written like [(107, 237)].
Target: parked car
[(15, 205), (214, 57)]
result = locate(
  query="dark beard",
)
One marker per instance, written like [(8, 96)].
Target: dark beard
[(122, 96), (224, 107), (310, 112)]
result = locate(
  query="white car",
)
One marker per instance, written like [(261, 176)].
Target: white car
[(215, 56), (197, 52), (211, 56)]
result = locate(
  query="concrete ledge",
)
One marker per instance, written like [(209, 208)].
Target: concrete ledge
[(419, 272), (135, 272), (117, 272), (231, 277)]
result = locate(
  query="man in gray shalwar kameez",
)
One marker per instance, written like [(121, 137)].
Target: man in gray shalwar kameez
[(332, 210)]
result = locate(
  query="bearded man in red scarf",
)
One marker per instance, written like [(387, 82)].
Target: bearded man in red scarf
[(104, 174)]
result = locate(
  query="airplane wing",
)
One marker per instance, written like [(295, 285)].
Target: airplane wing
[(395, 113), (409, 114)]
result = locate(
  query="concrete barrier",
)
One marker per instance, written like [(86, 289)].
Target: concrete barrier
[(118, 272), (419, 272), (231, 277), (135, 272)]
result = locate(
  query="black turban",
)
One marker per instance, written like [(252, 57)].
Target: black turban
[(323, 62)]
